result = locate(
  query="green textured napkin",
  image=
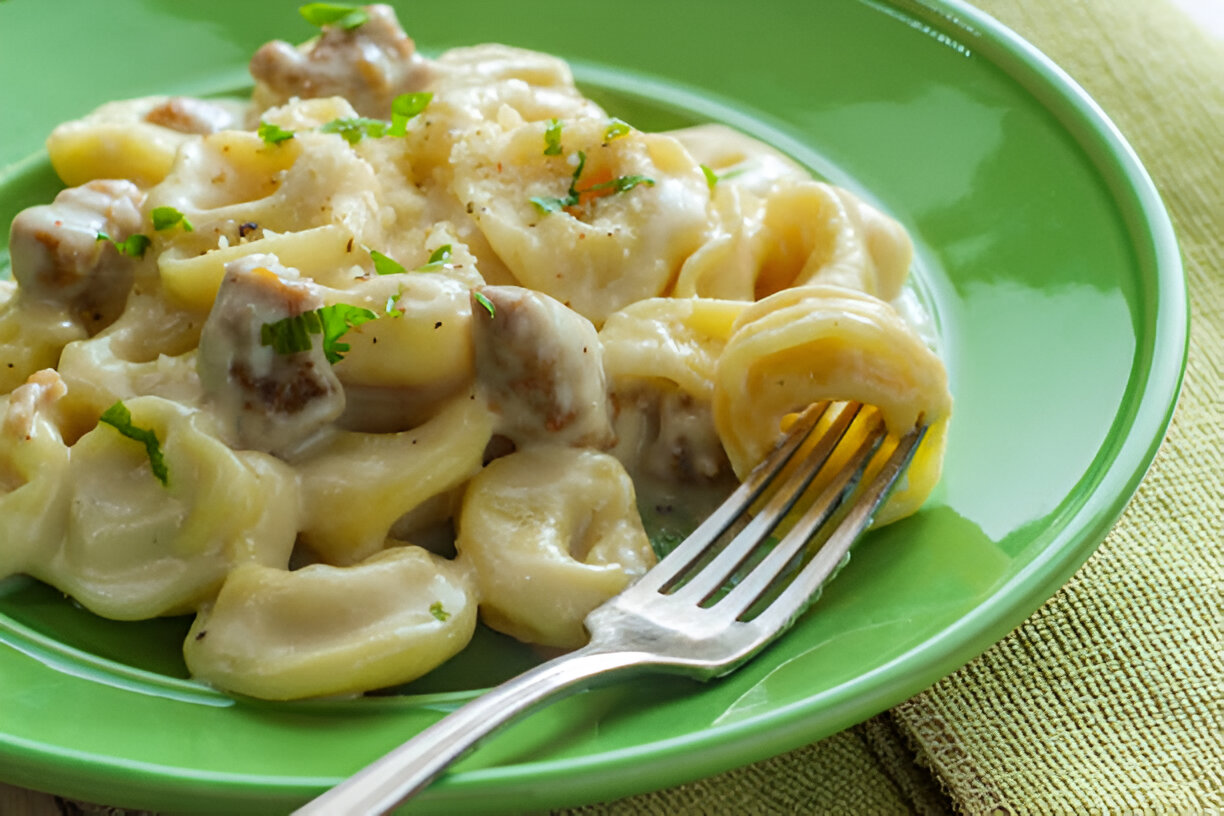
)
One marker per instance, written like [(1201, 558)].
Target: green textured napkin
[(1108, 699)]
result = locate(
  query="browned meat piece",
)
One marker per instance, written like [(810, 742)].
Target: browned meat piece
[(58, 258), (187, 115), (266, 400), (541, 368), (369, 65), (39, 393)]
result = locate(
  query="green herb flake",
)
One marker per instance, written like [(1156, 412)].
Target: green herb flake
[(384, 265), (166, 217), (439, 259), (485, 302), (354, 128), (391, 309), (291, 335), (552, 138), (438, 612), (120, 418), (710, 176), (342, 15), (337, 320), (134, 246), (404, 108), (550, 205), (620, 184), (573, 191), (273, 134), (616, 129)]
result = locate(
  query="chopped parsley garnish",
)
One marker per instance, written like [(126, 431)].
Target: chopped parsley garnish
[(338, 14), (552, 138), (120, 418), (437, 260), (485, 302), (291, 335), (134, 246), (338, 319), (616, 129), (384, 265), (391, 309), (551, 205), (548, 205), (166, 217), (355, 127), (620, 184), (404, 108), (438, 612), (273, 134), (713, 178)]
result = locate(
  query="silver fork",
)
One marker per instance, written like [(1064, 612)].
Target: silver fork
[(676, 618)]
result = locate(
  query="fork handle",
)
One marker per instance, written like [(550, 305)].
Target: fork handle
[(407, 769)]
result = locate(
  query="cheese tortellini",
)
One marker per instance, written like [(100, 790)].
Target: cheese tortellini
[(400, 346), (136, 548), (277, 634), (552, 532)]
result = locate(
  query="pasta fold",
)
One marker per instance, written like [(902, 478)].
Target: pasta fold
[(822, 342), (615, 244), (551, 532), (34, 494), (280, 635), (355, 485), (136, 548)]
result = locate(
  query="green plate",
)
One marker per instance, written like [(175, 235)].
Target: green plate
[(1043, 251)]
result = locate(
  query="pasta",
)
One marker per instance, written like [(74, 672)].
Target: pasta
[(400, 344), (552, 532)]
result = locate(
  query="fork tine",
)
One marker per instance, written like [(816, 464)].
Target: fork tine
[(692, 548), (765, 574), (828, 559), (713, 575)]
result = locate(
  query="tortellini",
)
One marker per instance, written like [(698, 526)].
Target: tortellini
[(551, 532), (312, 180), (605, 250), (134, 139), (31, 337), (279, 635), (34, 491), (867, 354), (798, 232), (149, 350), (135, 548), (391, 386), (394, 346), (355, 485)]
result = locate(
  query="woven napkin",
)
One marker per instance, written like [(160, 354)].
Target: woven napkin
[(1108, 699)]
